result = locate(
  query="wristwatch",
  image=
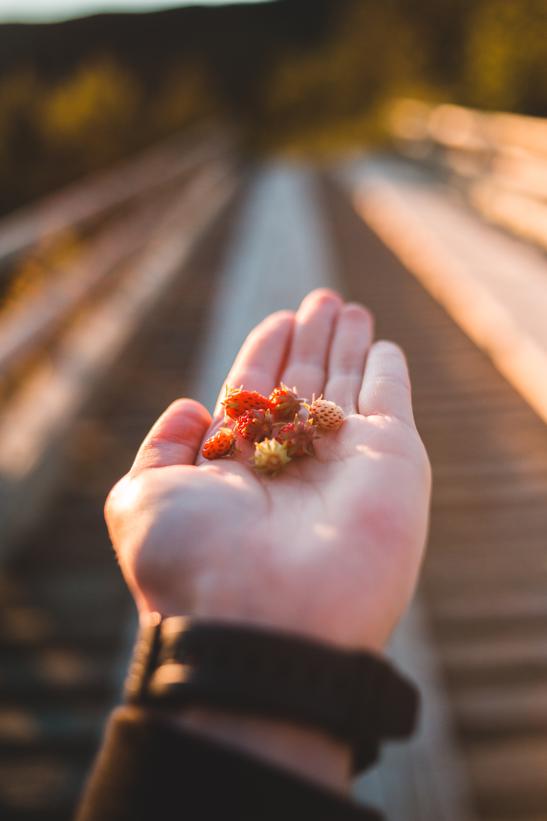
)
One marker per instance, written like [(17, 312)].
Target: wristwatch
[(354, 696)]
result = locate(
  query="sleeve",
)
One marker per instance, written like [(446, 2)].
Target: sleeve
[(147, 769)]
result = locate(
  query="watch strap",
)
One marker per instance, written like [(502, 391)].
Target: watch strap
[(354, 696)]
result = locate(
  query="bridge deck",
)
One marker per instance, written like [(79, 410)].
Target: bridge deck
[(485, 574), (66, 619)]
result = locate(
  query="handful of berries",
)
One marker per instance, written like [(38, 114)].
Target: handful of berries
[(281, 426)]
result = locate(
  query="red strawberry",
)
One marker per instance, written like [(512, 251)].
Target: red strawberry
[(219, 445), (237, 401), (284, 402), (254, 425), (298, 437)]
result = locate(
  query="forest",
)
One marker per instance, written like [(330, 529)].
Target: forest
[(311, 77)]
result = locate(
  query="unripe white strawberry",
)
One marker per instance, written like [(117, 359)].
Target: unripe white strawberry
[(270, 456), (328, 416)]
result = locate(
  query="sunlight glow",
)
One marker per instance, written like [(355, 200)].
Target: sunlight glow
[(325, 532), (365, 450)]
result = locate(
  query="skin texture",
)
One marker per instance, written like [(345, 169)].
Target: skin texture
[(331, 548)]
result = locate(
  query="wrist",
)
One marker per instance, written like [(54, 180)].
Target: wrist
[(306, 706), (264, 612), (306, 752)]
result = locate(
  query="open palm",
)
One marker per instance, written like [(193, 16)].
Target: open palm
[(329, 548)]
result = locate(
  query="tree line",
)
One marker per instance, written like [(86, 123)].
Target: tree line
[(305, 76)]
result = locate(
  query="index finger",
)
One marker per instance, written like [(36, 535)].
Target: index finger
[(262, 356)]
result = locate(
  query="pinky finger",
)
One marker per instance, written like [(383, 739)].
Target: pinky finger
[(386, 384)]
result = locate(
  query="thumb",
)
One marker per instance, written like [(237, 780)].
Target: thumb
[(175, 438)]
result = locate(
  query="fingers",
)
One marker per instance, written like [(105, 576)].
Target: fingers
[(386, 384), (351, 340), (175, 438), (307, 362), (262, 356)]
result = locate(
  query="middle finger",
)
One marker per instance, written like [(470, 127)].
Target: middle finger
[(307, 361)]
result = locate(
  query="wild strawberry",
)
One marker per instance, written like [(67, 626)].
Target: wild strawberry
[(298, 437), (237, 401), (328, 416), (284, 402), (270, 456), (254, 425), (219, 445)]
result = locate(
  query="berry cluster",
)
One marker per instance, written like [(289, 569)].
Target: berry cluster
[(281, 426)]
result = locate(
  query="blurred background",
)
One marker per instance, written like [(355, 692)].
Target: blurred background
[(169, 174), (295, 76)]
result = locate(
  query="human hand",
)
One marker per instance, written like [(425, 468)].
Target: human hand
[(331, 547)]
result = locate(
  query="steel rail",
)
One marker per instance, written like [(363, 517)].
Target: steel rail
[(36, 419), (25, 328), (498, 160), (88, 200)]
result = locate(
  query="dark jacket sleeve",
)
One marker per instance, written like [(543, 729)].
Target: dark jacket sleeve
[(148, 770)]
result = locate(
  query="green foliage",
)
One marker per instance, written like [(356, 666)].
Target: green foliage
[(52, 133), (96, 108), (185, 96), (506, 65), (19, 144), (330, 98)]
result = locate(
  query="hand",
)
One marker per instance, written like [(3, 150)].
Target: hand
[(331, 547)]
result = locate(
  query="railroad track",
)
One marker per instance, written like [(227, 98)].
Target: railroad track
[(58, 343), (89, 364), (485, 574), (67, 620)]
